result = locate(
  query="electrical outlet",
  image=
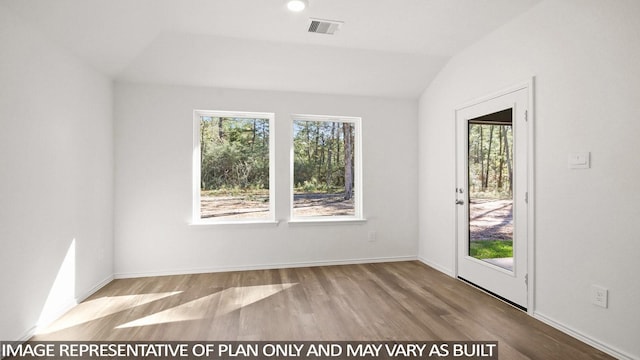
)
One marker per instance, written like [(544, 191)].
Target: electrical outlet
[(372, 236), (599, 296)]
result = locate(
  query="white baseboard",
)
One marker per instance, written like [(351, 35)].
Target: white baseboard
[(54, 314), (27, 335), (438, 267), (585, 339), (22, 339), (213, 269), (65, 308), (95, 289)]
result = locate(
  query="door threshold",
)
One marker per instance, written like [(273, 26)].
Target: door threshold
[(491, 293)]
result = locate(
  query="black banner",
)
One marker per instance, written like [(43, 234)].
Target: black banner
[(250, 350)]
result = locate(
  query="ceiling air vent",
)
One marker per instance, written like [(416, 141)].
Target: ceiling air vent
[(321, 26)]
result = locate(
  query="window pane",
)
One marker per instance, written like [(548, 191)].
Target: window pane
[(490, 162), (234, 168), (323, 169)]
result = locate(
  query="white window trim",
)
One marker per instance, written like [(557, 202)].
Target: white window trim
[(196, 219), (358, 217)]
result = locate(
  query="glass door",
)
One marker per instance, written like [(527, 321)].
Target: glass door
[(491, 195)]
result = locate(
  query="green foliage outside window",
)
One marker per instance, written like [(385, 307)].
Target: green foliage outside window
[(234, 154), (491, 161), (323, 157)]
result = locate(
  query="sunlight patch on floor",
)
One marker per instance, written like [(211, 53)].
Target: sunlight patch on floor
[(228, 300), (101, 307)]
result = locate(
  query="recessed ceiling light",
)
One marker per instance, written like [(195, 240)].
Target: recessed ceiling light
[(297, 5)]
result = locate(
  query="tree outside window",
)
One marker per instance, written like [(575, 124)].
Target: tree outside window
[(326, 167), (234, 166)]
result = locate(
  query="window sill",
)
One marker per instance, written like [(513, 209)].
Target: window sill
[(234, 223), (294, 222), (326, 221)]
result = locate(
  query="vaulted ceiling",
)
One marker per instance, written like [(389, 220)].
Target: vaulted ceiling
[(390, 48)]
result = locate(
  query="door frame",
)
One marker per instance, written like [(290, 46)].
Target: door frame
[(529, 86)]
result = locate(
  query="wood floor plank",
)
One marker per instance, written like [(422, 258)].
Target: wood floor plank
[(403, 301)]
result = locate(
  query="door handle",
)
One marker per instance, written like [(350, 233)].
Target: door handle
[(459, 202)]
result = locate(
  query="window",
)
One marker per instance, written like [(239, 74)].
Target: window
[(233, 167), (326, 168)]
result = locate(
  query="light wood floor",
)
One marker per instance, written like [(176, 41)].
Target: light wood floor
[(403, 301)]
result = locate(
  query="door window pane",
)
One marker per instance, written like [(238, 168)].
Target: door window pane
[(490, 160)]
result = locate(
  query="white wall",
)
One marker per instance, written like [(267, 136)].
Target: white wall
[(584, 55), (56, 179), (154, 176)]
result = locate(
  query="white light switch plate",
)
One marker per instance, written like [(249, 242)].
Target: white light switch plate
[(580, 160)]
